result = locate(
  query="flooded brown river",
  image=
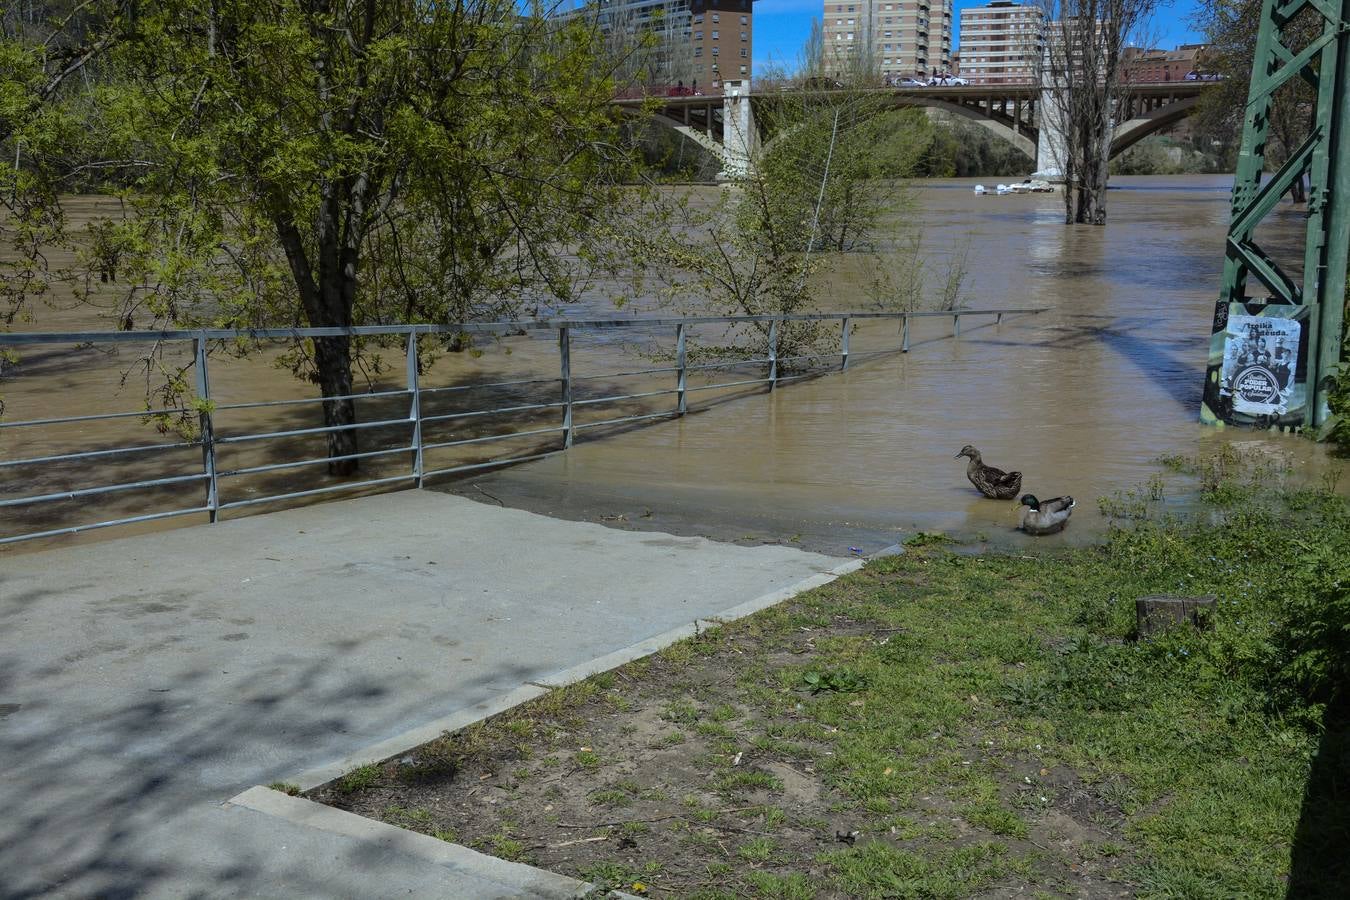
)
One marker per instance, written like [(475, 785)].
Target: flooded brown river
[(1082, 398)]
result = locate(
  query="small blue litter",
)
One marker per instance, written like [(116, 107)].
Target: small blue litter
[(854, 550)]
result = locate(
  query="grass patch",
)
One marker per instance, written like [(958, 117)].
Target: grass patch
[(983, 725), (359, 779)]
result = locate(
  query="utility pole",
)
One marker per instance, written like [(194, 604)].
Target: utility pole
[(1273, 358)]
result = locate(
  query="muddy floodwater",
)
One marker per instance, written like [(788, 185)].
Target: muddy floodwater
[(1082, 398)]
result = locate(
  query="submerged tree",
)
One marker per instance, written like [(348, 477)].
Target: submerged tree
[(822, 185), (325, 163), (1082, 67)]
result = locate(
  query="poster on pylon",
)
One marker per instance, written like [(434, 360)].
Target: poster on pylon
[(1257, 372)]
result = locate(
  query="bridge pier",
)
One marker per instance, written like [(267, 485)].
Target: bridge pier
[(1051, 145), (740, 136)]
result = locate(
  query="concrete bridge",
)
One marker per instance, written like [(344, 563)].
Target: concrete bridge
[(727, 125)]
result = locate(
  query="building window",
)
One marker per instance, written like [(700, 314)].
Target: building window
[(698, 35), (716, 17), (745, 54), (745, 69), (745, 35), (850, 35), (698, 51), (715, 53), (714, 35), (850, 21), (839, 22), (745, 20), (698, 19)]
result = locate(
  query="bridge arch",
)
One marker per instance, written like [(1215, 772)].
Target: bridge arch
[(1019, 139), (694, 133), (1016, 137), (1127, 134)]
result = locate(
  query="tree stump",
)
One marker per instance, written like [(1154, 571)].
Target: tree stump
[(1159, 612)]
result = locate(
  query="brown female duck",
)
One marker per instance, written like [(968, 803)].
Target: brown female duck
[(993, 483)]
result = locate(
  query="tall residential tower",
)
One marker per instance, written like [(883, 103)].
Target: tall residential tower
[(888, 37), (1001, 43)]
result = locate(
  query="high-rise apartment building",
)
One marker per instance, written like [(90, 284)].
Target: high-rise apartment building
[(888, 37), (1002, 43), (721, 39), (699, 42)]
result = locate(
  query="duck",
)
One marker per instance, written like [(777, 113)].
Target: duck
[(1046, 516), (993, 483)]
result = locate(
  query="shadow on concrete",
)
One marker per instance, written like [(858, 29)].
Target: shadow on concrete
[(117, 799)]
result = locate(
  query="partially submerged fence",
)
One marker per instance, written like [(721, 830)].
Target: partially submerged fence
[(406, 416)]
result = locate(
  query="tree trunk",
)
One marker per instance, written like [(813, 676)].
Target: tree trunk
[(333, 361), (1297, 192)]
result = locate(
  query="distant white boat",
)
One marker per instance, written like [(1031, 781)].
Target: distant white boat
[(980, 189), (1003, 189)]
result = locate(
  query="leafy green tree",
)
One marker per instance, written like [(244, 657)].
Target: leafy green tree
[(334, 164), (46, 53), (1230, 27), (822, 185)]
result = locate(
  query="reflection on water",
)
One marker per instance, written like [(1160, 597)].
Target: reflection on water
[(1082, 399)]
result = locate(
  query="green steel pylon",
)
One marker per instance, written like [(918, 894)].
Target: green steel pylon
[(1272, 358)]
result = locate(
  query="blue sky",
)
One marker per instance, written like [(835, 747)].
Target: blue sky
[(781, 27)]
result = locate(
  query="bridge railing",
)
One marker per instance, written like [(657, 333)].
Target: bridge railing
[(418, 431)]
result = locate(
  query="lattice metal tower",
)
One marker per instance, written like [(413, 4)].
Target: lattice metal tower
[(1272, 358)]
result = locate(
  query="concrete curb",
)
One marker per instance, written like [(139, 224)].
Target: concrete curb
[(517, 876)]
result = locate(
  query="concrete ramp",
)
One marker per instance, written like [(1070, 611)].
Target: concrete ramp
[(147, 680)]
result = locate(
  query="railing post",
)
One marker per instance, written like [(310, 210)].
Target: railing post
[(843, 345), (773, 354), (207, 428), (681, 360), (415, 409), (904, 328), (956, 324), (998, 319), (565, 358)]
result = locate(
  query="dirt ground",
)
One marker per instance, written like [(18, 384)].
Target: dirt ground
[(712, 770)]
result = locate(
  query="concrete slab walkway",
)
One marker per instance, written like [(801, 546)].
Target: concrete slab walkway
[(147, 680)]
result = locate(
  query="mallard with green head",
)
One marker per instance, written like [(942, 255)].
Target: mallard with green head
[(1045, 516), (993, 483)]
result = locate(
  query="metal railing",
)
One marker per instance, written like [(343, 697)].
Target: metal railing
[(415, 420)]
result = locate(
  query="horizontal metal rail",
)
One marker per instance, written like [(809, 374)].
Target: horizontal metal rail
[(298, 432), (502, 410), (97, 454), (440, 445), (219, 334), (345, 486), (341, 438), (322, 460), (303, 400), (70, 420), (76, 529), (104, 489), (492, 464)]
